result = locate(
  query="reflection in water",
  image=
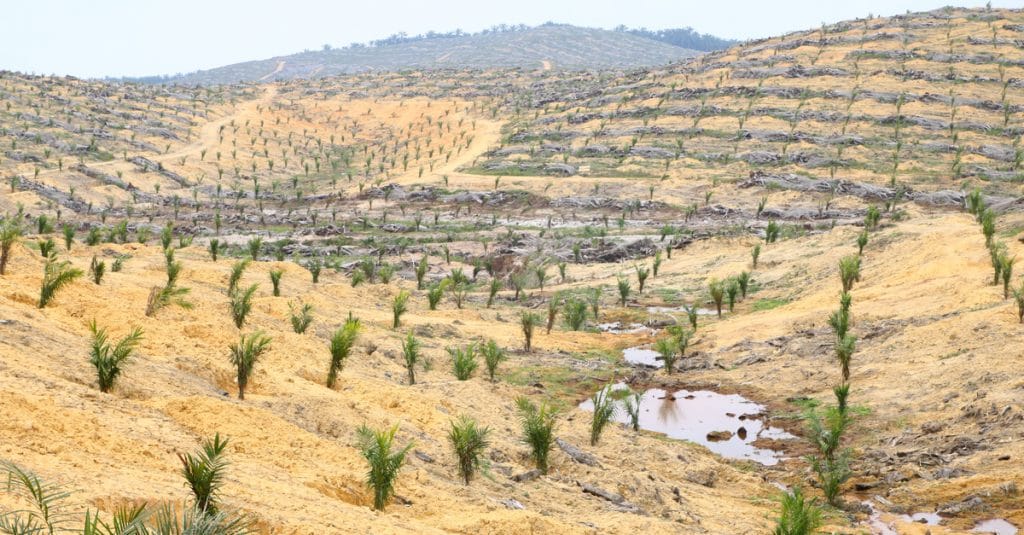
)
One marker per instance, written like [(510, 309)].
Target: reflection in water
[(694, 415)]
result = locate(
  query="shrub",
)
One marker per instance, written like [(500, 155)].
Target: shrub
[(849, 271), (107, 358), (204, 472), (463, 361), (604, 412), (341, 347), (97, 268), (241, 305), (493, 356), (275, 281), (10, 232), (56, 275), (798, 516), (236, 275), (375, 447), (575, 314), (631, 404), (755, 253), (255, 244), (538, 430), (244, 356), (411, 352), (717, 291), (623, 290), (214, 249), (527, 321), (398, 307), (641, 277), (300, 318), (667, 353), (469, 441)]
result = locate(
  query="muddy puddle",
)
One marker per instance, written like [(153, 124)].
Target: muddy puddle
[(617, 327), (640, 356), (998, 526), (727, 424), (681, 310)]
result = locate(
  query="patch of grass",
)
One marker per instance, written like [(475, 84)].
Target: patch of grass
[(769, 304)]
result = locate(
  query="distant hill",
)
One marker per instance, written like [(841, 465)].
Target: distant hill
[(549, 46)]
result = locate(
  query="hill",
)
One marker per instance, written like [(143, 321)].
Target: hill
[(879, 158), (551, 46)]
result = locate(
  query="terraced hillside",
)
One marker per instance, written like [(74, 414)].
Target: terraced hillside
[(551, 46), (700, 210)]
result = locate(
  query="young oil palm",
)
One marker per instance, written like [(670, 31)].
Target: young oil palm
[(538, 430), (275, 281), (56, 275), (527, 321), (398, 307), (375, 447), (463, 361), (717, 290), (241, 304), (667, 353), (342, 342), (204, 472), (604, 412), (108, 358), (10, 233), (301, 317), (237, 270), (849, 271), (411, 353), (244, 356), (469, 441), (493, 356)]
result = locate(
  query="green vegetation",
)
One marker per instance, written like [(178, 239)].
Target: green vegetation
[(463, 361), (469, 441), (56, 275), (375, 447), (341, 347), (244, 356), (538, 430), (107, 358), (604, 412)]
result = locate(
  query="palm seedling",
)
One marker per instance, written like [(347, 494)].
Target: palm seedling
[(421, 272), (656, 264), (771, 232), (743, 280), (204, 472), (241, 305), (862, 240), (398, 307), (47, 513), (691, 315), (315, 267), (538, 430), (170, 293), (300, 317), (799, 516), (631, 404), (255, 245), (97, 268), (844, 353), (69, 236), (553, 305), (1006, 272), (411, 353), (575, 314), (755, 253), (830, 464), (244, 356), (642, 272), (47, 248), (108, 358), (623, 290), (56, 275), (237, 269), (731, 291), (275, 281), (667, 353), (527, 321), (872, 218), (1018, 296), (594, 298), (492, 291), (604, 412), (436, 292), (463, 361), (717, 291), (493, 356), (849, 271), (469, 441), (341, 347), (10, 232), (375, 447), (988, 225), (214, 249)]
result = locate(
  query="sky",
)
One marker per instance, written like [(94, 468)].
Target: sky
[(97, 38)]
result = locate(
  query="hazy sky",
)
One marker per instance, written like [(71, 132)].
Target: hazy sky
[(93, 38)]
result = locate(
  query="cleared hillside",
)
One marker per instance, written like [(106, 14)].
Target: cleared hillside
[(555, 46), (592, 198)]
